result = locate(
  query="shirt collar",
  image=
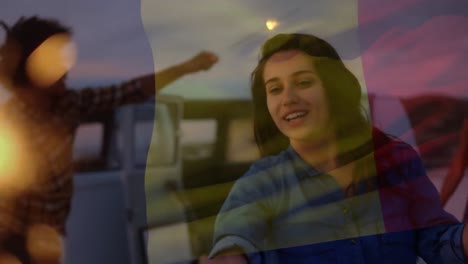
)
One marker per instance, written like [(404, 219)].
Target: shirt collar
[(301, 165)]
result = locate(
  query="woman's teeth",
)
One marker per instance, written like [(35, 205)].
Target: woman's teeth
[(294, 115)]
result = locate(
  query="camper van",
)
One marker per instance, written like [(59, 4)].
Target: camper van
[(120, 157), (143, 172)]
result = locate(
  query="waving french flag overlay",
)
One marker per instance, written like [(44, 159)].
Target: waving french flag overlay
[(417, 51)]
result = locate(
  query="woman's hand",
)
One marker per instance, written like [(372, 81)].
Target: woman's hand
[(203, 61)]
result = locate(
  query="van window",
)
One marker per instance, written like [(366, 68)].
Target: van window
[(198, 138)]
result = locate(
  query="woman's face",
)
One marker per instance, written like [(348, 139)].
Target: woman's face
[(295, 96)]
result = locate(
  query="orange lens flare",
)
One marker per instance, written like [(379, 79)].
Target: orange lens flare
[(8, 152), (16, 170), (51, 60)]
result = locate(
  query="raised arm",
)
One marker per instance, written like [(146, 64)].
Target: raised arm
[(203, 61), (137, 90)]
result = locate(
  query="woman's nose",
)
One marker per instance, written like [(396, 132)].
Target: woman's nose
[(290, 96)]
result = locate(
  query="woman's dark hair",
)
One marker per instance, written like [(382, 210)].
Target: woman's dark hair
[(28, 34), (342, 90)]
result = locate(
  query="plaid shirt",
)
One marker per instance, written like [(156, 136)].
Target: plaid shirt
[(48, 138)]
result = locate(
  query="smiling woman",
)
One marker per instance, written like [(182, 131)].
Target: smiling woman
[(295, 96), (330, 188), (325, 75)]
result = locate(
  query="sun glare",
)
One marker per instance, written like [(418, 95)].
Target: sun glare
[(271, 24), (7, 151), (15, 175)]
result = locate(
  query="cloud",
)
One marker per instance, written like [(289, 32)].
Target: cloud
[(430, 58), (120, 38), (234, 30)]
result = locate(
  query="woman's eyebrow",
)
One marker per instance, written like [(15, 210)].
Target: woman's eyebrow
[(276, 79), (272, 80), (303, 72)]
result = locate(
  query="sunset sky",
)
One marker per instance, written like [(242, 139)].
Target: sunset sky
[(403, 47)]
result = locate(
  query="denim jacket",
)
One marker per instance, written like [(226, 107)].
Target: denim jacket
[(285, 211)]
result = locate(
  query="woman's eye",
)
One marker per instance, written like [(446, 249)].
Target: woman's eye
[(305, 83), (274, 90)]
